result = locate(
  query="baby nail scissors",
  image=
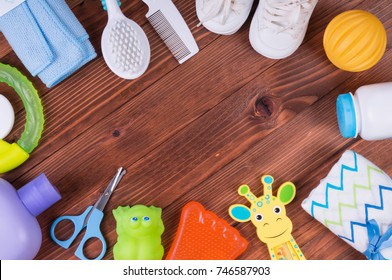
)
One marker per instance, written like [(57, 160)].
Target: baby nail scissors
[(91, 219)]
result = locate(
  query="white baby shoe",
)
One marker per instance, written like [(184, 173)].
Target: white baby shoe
[(279, 26), (223, 17)]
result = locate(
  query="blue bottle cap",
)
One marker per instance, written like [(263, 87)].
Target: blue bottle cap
[(345, 110), (38, 195)]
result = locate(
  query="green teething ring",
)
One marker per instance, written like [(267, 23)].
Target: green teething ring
[(13, 155)]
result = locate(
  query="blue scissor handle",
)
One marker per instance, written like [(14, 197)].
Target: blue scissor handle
[(93, 231), (78, 222)]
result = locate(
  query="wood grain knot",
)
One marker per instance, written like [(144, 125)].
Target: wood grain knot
[(116, 133), (264, 107)]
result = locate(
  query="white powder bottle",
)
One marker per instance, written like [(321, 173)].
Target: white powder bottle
[(367, 113)]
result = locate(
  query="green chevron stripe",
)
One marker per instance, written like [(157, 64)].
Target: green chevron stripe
[(353, 206)]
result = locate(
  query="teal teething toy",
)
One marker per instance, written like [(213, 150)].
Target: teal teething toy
[(139, 230)]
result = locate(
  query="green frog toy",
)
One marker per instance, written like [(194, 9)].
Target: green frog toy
[(139, 229)]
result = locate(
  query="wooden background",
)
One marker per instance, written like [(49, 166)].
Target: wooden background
[(199, 130)]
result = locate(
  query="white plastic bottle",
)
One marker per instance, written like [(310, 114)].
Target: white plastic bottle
[(368, 113)]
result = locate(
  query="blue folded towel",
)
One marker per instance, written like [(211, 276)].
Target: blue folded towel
[(20, 28), (47, 38)]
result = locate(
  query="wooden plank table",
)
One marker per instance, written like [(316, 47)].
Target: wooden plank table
[(198, 131)]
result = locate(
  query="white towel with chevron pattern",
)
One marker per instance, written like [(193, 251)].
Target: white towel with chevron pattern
[(354, 192)]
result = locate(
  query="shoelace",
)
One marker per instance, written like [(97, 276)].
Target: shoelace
[(213, 8), (288, 16)]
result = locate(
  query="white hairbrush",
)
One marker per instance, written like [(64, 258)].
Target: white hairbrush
[(124, 44)]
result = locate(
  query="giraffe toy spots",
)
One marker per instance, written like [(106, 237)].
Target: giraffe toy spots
[(268, 214)]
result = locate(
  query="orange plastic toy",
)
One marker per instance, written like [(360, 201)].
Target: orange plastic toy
[(202, 235)]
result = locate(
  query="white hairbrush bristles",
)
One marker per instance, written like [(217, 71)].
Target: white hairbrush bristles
[(125, 46)]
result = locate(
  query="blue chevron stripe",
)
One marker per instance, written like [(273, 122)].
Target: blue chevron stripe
[(367, 206), (381, 207), (330, 186), (352, 224)]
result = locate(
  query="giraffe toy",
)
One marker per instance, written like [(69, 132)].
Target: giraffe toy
[(268, 215)]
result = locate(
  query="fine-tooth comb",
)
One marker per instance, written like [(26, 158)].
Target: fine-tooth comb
[(172, 28)]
